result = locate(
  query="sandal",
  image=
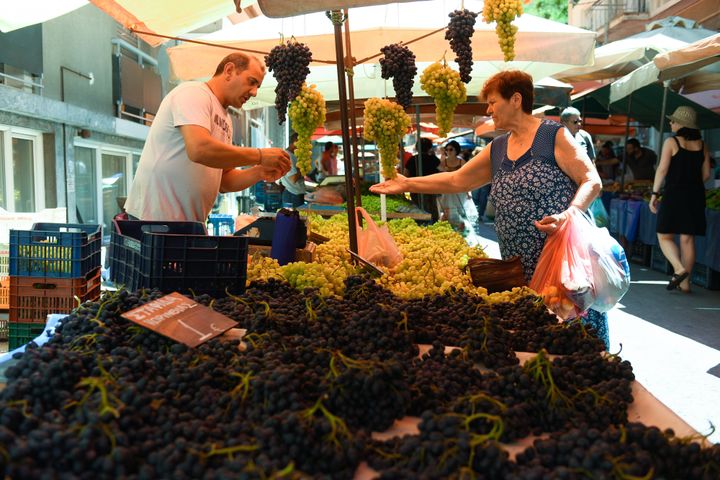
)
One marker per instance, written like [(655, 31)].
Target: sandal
[(675, 280)]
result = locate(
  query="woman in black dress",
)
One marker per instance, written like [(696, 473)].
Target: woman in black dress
[(684, 166)]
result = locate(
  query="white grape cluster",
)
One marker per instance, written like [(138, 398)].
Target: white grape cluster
[(504, 12), (385, 123), (307, 113), (447, 89)]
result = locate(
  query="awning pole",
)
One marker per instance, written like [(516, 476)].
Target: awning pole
[(353, 126), (627, 135), (418, 152), (666, 85), (338, 18)]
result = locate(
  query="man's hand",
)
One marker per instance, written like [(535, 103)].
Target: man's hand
[(390, 187), (270, 174), (275, 159)]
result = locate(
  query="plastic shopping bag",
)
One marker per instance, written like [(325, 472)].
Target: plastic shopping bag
[(375, 244), (599, 213), (564, 276), (611, 272)]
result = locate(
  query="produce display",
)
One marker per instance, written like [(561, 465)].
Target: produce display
[(385, 123), (398, 63), (315, 375), (460, 31), (393, 203), (307, 113), (289, 63), (448, 91), (433, 260), (503, 12), (712, 199)]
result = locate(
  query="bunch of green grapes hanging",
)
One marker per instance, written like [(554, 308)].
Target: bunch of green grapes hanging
[(307, 113), (398, 62), (385, 123), (447, 89), (289, 63), (460, 31), (504, 12)]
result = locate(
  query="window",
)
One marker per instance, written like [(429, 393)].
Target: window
[(103, 175), (21, 163)]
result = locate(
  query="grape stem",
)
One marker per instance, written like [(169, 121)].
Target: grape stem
[(337, 425)]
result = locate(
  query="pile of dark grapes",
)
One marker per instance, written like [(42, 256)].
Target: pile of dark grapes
[(459, 31), (312, 378), (398, 63), (289, 63)]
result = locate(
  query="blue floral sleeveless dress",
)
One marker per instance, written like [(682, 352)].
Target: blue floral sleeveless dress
[(528, 189)]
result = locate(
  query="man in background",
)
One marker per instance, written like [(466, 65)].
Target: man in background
[(570, 117), (641, 160), (328, 161), (428, 166), (294, 193)]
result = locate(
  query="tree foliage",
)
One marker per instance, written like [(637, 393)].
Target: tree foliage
[(556, 10)]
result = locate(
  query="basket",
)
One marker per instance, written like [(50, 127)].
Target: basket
[(497, 275), (23, 333), (63, 250), (181, 259), (32, 299)]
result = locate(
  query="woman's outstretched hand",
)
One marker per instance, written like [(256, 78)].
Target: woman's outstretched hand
[(391, 187)]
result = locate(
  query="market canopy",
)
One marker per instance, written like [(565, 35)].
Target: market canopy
[(621, 57), (680, 62), (30, 12), (540, 47)]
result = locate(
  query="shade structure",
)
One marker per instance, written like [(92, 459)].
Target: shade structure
[(680, 62), (22, 13), (541, 47), (623, 56), (288, 8)]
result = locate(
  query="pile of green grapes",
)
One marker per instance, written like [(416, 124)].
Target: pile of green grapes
[(447, 89), (307, 113), (385, 123), (504, 12)]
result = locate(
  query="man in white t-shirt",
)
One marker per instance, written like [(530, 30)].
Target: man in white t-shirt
[(189, 157)]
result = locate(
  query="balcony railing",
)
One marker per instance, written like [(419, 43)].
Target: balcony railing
[(603, 12)]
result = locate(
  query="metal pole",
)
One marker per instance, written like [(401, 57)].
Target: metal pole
[(627, 135), (418, 150), (338, 18), (666, 84), (353, 126)]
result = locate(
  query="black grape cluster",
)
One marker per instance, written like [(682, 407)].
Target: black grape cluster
[(398, 63), (289, 63), (460, 31), (559, 339)]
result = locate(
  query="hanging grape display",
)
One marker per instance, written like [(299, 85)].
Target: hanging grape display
[(289, 63), (447, 89), (307, 113), (385, 124), (398, 63), (504, 12), (459, 32)]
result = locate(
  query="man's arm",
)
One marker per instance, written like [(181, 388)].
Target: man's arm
[(235, 180), (203, 148)]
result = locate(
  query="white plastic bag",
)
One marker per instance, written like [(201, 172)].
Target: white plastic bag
[(611, 272)]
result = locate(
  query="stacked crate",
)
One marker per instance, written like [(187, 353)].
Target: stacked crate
[(4, 288), (53, 268)]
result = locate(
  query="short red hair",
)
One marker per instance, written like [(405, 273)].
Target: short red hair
[(508, 83)]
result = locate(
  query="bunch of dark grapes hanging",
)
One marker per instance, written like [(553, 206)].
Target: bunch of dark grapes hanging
[(460, 31), (398, 63), (289, 63)]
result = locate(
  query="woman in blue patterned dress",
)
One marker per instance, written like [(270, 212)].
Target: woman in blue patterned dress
[(538, 172)]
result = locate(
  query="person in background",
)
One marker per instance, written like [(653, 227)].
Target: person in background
[(538, 174), (293, 181), (189, 157), (328, 161), (452, 160), (480, 195), (570, 117), (684, 167), (607, 162), (429, 165), (641, 160)]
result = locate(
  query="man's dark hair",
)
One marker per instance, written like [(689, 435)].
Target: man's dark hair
[(508, 83), (239, 59), (293, 138), (329, 146), (425, 145), (608, 144), (634, 142)]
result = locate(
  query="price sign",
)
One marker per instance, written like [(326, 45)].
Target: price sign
[(181, 319)]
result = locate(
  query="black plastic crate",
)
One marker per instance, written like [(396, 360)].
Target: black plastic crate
[(705, 276), (61, 250), (659, 262), (180, 258)]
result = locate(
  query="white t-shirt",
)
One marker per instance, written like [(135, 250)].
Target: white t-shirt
[(168, 186), (296, 188)]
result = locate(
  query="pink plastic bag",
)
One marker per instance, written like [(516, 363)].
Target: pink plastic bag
[(375, 244), (564, 275)]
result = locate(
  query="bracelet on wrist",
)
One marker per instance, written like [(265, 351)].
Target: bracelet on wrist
[(260, 155), (655, 193)]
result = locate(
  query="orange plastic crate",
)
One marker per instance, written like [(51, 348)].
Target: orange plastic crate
[(32, 299), (4, 293)]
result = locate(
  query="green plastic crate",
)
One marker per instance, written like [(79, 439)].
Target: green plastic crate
[(23, 333)]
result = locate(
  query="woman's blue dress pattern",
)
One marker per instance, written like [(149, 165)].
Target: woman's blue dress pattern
[(528, 189)]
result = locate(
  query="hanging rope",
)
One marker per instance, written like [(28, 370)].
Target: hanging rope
[(209, 44)]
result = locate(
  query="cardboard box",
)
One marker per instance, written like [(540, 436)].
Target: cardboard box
[(306, 254)]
